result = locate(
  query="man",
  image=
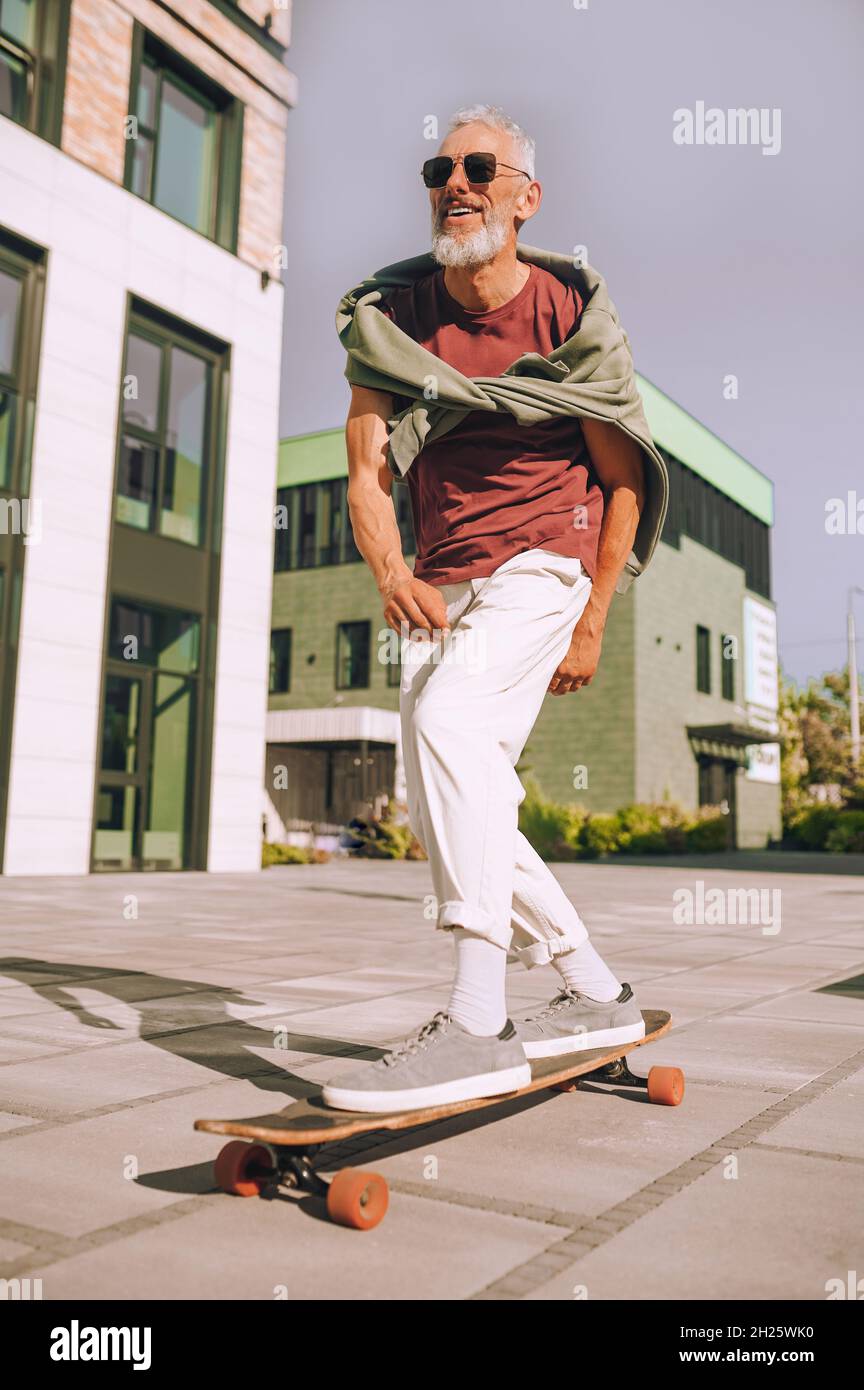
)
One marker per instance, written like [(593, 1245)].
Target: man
[(505, 393)]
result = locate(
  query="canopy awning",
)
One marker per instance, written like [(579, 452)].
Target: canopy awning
[(726, 741)]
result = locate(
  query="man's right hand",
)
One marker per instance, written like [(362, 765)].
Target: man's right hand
[(416, 604)]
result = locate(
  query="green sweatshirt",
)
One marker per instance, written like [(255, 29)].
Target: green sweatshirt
[(590, 374)]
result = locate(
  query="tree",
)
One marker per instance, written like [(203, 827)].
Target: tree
[(815, 740)]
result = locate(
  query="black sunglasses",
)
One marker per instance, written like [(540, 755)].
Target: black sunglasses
[(479, 168)]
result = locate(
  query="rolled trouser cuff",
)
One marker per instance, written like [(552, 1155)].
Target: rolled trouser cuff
[(474, 919), (542, 952)]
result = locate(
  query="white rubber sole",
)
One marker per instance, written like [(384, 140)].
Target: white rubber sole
[(493, 1083), (583, 1042)]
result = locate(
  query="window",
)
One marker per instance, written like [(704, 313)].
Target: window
[(22, 283), (33, 37), (185, 143), (707, 515), (352, 655), (11, 294), (154, 637), (280, 661), (166, 437), (394, 668), (703, 660), (144, 799), (313, 526), (727, 666)]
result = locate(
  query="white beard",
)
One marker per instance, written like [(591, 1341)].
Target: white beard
[(476, 249)]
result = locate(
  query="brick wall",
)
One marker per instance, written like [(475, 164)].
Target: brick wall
[(97, 86), (261, 191), (311, 603), (594, 728)]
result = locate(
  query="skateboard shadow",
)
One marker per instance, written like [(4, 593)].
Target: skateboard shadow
[(179, 1016)]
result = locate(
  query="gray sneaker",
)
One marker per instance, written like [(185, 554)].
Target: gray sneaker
[(572, 1022), (441, 1062)]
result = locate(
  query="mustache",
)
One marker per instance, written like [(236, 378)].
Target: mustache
[(442, 211)]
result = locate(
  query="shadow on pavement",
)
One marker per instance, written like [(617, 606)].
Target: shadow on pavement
[(183, 1034)]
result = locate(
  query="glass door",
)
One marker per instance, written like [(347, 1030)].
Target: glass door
[(124, 758), (144, 800)]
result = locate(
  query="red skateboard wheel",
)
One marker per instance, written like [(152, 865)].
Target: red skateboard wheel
[(242, 1169), (357, 1199), (666, 1085)]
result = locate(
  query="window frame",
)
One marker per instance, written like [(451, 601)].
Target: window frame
[(148, 674), (703, 659), (281, 632), (288, 553), (46, 69), (223, 222), (340, 628), (706, 515), (166, 339), (25, 262)]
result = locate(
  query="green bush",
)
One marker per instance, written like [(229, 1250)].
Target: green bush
[(847, 835), (810, 827), (288, 854), (707, 832), (570, 832), (600, 835), (651, 828), (553, 829)]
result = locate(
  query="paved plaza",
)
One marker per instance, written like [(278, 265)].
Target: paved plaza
[(132, 1005)]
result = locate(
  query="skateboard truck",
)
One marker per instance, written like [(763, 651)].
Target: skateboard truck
[(353, 1198), (616, 1071)]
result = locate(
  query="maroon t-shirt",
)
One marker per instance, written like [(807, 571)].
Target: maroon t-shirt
[(490, 488)]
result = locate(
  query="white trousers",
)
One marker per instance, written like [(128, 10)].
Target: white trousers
[(468, 701)]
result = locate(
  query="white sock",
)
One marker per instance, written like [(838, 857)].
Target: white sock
[(478, 998), (584, 971)]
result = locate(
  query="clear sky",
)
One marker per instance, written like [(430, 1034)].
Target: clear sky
[(721, 259)]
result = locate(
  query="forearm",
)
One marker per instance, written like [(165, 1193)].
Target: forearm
[(370, 506), (617, 533), (376, 534)]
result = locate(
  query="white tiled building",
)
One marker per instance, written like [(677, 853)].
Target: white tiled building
[(141, 158)]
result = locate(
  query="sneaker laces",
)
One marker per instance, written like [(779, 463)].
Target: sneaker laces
[(417, 1041), (566, 997)]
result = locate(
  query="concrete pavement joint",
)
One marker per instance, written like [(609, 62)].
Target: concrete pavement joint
[(64, 1248), (531, 1274)]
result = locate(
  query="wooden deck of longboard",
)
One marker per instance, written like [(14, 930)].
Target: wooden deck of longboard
[(312, 1122)]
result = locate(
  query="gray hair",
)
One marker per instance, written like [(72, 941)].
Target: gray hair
[(496, 119)]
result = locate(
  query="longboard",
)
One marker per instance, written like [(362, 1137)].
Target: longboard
[(281, 1140)]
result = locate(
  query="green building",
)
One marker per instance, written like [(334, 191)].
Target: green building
[(684, 704)]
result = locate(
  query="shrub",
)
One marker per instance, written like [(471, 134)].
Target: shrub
[(847, 835), (810, 827), (707, 831), (657, 828), (601, 835), (290, 854), (553, 830)]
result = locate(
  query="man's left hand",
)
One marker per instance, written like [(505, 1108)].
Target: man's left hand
[(580, 663)]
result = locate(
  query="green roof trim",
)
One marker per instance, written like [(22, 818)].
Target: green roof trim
[(695, 445), (313, 458)]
